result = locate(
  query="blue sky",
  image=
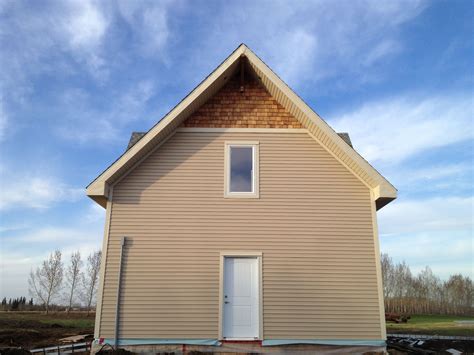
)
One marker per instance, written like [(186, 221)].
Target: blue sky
[(76, 77)]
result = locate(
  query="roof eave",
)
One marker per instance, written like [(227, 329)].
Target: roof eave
[(99, 192), (384, 194)]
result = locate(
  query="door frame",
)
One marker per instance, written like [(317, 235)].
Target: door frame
[(240, 254)]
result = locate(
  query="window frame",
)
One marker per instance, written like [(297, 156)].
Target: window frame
[(255, 172)]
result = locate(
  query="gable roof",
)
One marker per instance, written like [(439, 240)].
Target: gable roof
[(383, 191)]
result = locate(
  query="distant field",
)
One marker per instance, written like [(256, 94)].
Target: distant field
[(434, 325), (35, 329), (73, 320)]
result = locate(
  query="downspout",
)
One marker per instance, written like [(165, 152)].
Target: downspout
[(117, 308)]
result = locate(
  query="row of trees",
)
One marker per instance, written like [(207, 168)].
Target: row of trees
[(424, 293), (17, 304), (52, 282)]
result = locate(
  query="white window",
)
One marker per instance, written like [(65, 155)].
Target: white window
[(241, 169)]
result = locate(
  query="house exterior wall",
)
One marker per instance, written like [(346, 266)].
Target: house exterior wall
[(313, 223)]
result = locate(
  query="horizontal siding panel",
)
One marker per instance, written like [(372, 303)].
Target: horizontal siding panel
[(277, 238), (228, 219), (243, 228), (316, 207), (312, 223), (309, 268)]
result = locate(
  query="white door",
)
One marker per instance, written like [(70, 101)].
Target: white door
[(241, 298)]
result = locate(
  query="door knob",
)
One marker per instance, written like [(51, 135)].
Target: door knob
[(226, 302)]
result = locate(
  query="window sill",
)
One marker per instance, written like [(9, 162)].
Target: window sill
[(237, 195)]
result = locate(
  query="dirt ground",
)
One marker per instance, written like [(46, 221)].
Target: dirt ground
[(432, 346), (35, 330)]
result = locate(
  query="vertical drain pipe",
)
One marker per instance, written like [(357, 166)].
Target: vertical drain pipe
[(117, 308)]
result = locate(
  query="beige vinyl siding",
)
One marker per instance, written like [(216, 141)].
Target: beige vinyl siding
[(312, 222)]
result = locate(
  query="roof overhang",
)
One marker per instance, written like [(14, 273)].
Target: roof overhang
[(382, 191)]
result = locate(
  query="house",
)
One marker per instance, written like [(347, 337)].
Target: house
[(241, 220)]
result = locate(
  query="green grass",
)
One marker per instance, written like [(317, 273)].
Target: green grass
[(73, 320), (434, 325)]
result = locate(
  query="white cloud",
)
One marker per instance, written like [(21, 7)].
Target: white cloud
[(425, 215), (297, 55), (90, 121), (149, 24), (49, 38), (312, 41), (381, 50), (394, 129), (36, 192), (305, 43), (85, 27)]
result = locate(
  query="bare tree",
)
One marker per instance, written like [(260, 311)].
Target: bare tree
[(45, 282), (73, 272), (424, 293), (90, 278), (388, 278)]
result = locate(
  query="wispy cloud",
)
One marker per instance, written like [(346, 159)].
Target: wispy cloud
[(56, 235), (448, 179), (49, 37), (425, 215), (86, 119), (35, 192), (299, 53), (381, 50), (13, 227), (149, 24), (64, 40), (85, 25), (315, 40), (85, 71), (436, 172), (394, 129)]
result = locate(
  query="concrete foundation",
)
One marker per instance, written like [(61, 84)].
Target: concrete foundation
[(247, 348)]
